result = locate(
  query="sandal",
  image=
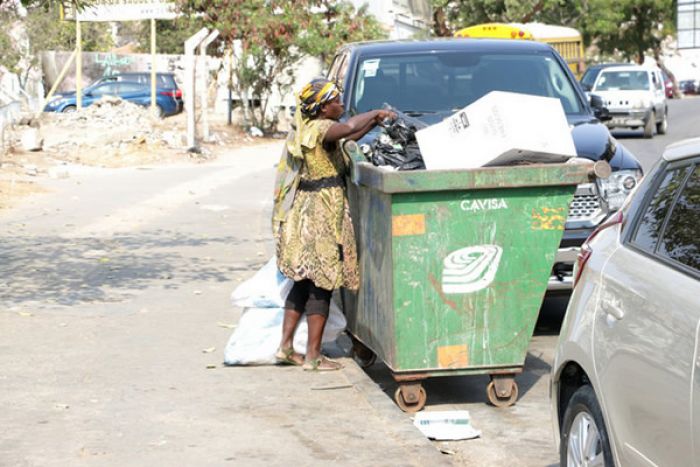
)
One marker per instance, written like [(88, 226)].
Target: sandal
[(321, 364), (289, 357)]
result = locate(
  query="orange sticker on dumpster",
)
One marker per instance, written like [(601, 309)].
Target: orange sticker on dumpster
[(548, 218), (453, 356), (408, 224)]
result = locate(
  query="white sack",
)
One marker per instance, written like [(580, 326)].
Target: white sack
[(257, 336), (268, 288)]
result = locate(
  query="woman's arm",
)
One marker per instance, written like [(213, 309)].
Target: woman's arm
[(356, 127)]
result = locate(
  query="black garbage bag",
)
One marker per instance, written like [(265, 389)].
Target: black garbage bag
[(396, 145)]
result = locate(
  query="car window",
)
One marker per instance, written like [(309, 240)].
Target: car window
[(589, 78), (647, 233), (447, 82), (107, 89), (130, 87), (681, 238), (623, 81)]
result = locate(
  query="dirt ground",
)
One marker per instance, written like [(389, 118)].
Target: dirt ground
[(112, 134)]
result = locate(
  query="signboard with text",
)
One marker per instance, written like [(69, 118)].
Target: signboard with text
[(124, 10)]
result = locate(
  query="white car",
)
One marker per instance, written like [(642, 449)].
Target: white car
[(625, 386), (635, 97)]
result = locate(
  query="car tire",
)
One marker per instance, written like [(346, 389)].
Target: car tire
[(649, 125), (662, 126), (583, 429), (69, 109)]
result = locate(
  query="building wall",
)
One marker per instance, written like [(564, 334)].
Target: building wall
[(402, 18)]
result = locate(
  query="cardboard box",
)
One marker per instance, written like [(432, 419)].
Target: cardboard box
[(501, 128)]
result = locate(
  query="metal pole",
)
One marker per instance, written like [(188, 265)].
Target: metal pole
[(190, 45), (78, 66), (205, 82), (153, 66)]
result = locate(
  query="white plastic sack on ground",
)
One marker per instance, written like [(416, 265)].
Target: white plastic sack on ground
[(257, 336), (446, 425), (268, 288)]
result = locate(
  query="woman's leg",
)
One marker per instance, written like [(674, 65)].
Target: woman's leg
[(317, 310), (295, 303)]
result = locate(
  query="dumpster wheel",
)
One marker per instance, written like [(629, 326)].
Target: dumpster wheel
[(419, 393), (502, 401)]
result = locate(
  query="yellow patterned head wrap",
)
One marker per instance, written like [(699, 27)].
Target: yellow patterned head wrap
[(316, 93)]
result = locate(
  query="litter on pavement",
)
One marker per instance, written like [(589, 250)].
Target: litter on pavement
[(449, 425)]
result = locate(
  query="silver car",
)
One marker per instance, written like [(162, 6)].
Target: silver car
[(635, 97), (625, 386)]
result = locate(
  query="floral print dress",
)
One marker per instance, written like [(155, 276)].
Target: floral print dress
[(315, 240)]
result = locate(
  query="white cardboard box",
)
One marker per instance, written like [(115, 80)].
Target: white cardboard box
[(499, 129)]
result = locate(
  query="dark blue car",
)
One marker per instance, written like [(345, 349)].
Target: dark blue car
[(138, 93)]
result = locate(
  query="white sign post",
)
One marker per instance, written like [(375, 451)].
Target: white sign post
[(205, 83), (190, 45)]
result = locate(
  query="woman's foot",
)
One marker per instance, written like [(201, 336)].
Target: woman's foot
[(321, 364), (289, 357)]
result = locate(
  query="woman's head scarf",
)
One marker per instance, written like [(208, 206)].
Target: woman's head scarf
[(316, 93), (309, 101)]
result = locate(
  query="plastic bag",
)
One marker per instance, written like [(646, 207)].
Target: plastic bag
[(396, 145), (257, 336), (268, 288)]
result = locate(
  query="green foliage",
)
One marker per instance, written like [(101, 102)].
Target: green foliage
[(629, 28), (266, 38), (171, 35)]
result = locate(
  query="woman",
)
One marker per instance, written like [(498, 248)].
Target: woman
[(314, 236)]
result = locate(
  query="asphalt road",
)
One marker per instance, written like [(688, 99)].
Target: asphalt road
[(114, 291)]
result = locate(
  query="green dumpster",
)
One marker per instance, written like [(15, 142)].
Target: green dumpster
[(454, 266)]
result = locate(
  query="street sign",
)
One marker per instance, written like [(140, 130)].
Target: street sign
[(123, 10)]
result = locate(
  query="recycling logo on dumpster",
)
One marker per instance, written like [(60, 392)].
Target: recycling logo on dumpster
[(470, 269)]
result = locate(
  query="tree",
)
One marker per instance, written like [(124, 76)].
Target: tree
[(266, 38), (633, 27), (23, 39)]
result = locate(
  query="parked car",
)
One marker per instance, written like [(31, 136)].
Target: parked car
[(138, 93), (635, 97), (430, 80), (668, 85), (625, 384), (689, 86), (165, 81), (592, 72)]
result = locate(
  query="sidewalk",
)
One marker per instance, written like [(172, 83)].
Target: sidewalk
[(114, 313)]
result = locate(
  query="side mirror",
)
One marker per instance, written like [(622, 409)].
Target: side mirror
[(599, 110)]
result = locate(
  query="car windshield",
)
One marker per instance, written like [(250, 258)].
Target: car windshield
[(446, 82), (622, 81)]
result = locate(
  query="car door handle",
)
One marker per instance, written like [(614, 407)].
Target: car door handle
[(613, 310)]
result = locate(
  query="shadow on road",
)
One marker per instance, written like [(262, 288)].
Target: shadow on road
[(69, 271)]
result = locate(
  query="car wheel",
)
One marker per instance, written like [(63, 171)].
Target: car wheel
[(584, 439), (649, 126), (69, 109), (662, 126)]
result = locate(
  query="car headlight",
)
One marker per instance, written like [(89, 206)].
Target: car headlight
[(618, 186)]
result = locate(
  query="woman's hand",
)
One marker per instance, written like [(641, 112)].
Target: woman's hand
[(385, 114)]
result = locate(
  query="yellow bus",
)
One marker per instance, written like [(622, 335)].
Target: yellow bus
[(567, 41)]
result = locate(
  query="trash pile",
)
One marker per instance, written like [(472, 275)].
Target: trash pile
[(396, 145)]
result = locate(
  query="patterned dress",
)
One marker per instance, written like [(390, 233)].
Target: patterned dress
[(316, 240)]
